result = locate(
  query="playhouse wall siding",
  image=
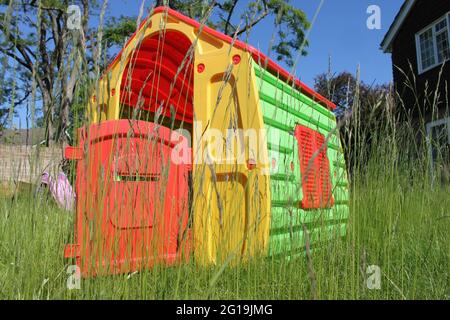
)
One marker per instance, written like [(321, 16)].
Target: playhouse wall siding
[(283, 109)]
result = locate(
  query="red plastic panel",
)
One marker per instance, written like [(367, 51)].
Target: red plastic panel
[(315, 169), (160, 74), (128, 166), (132, 200), (73, 153)]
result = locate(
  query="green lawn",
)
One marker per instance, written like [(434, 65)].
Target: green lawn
[(399, 224)]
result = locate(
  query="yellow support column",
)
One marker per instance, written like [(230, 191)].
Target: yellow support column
[(232, 193)]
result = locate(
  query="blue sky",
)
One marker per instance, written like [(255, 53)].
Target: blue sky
[(340, 31)]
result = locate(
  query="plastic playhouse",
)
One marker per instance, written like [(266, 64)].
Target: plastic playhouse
[(137, 205)]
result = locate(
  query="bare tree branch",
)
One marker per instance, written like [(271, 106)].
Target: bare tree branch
[(252, 24), (230, 14)]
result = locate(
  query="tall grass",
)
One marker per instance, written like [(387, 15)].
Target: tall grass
[(399, 221)]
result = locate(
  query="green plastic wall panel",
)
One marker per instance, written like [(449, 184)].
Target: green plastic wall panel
[(283, 108)]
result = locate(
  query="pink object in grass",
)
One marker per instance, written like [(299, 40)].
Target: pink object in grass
[(61, 190)]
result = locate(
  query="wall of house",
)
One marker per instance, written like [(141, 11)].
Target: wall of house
[(404, 54)]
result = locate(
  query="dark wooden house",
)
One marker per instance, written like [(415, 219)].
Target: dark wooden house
[(419, 41)]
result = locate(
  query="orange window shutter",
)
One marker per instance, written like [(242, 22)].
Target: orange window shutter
[(315, 169)]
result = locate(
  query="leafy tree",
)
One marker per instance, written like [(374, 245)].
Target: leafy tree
[(35, 37), (344, 87), (364, 108), (3, 113), (52, 58), (57, 64), (14, 92), (290, 23)]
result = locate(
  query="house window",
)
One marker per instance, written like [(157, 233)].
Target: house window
[(433, 44), (438, 133)]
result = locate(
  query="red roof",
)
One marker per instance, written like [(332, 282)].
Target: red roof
[(258, 56)]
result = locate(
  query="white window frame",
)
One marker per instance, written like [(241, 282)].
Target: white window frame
[(430, 126), (433, 29)]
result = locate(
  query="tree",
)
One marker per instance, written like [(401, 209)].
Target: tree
[(50, 56), (370, 107), (35, 37), (12, 95), (58, 64), (342, 89), (3, 113), (290, 22)]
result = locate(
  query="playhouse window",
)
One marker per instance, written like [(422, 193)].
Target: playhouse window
[(315, 169)]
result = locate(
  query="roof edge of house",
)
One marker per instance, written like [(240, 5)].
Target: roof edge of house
[(386, 44)]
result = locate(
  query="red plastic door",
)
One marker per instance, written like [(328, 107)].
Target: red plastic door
[(132, 199)]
